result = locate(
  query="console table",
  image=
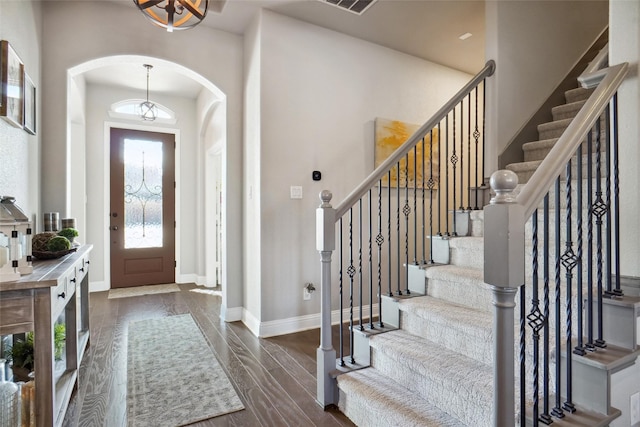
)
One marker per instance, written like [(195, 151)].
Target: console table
[(57, 289)]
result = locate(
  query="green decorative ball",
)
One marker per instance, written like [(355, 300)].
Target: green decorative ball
[(58, 243), (69, 233)]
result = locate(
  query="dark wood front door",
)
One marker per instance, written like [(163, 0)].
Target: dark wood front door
[(142, 216)]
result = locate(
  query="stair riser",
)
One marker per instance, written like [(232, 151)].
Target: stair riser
[(556, 128), (579, 94), (474, 295), (567, 111), (536, 152)]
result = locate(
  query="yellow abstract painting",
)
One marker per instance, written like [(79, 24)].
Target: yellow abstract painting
[(391, 134)]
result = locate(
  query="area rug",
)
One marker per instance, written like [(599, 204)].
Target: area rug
[(173, 377), (137, 291)]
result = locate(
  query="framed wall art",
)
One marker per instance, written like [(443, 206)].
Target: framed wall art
[(391, 134), (12, 75), (29, 114)]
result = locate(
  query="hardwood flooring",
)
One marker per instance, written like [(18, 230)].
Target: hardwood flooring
[(274, 377)]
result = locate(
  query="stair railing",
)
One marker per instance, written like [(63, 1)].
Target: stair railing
[(388, 219), (586, 247)]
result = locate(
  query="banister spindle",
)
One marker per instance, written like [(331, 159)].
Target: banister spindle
[(454, 161), (616, 196), (379, 242), (557, 410), (399, 243), (599, 210), (545, 417), (370, 261)]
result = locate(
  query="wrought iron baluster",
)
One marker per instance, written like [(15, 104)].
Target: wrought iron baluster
[(446, 193), (415, 206), (569, 263), (399, 271), (454, 162), (351, 271), (370, 262), (557, 410), (599, 210), (609, 291), (423, 235), (469, 152), (439, 175), (360, 325), (379, 242), (523, 371), (461, 156), (535, 319), (579, 349), (484, 115), (406, 210), (589, 346), (545, 417), (431, 184), (616, 195), (340, 281), (476, 136), (389, 236)]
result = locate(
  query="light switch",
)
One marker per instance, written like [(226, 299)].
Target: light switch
[(296, 192)]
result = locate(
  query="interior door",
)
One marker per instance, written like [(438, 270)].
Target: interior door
[(142, 216)]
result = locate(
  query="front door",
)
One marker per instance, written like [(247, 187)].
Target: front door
[(142, 216)]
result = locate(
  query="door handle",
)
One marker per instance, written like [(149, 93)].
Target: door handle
[(114, 228)]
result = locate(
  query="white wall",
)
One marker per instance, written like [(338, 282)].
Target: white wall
[(252, 175), (319, 95), (20, 23), (624, 46), (534, 44), (98, 102)]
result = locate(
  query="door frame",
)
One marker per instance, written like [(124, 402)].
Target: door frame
[(107, 188)]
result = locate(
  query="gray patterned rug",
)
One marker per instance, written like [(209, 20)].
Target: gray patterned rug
[(173, 377)]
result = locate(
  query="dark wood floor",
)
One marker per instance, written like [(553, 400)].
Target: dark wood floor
[(274, 377)]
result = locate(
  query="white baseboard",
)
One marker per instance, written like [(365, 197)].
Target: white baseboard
[(231, 314), (303, 323), (186, 278), (98, 286)]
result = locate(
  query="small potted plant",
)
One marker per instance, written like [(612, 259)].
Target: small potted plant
[(21, 353), (69, 233)]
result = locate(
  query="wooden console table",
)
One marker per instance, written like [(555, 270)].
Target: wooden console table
[(35, 303)]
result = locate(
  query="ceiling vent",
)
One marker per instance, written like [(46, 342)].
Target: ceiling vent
[(354, 6)]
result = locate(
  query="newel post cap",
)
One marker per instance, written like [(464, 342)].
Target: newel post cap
[(503, 182), (325, 197)]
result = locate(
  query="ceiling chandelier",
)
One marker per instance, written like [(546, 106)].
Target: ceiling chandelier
[(148, 110), (174, 14)]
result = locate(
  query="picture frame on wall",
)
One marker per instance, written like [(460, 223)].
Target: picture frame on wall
[(29, 114), (11, 75)]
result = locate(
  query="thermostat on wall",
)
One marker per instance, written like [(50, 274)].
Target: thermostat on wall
[(316, 175)]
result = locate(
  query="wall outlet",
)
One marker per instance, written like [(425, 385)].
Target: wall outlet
[(634, 411), (306, 295)]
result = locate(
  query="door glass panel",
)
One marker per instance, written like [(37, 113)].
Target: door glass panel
[(142, 193)]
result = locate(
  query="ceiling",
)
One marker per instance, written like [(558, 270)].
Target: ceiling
[(423, 28)]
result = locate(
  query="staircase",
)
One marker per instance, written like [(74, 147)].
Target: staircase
[(434, 365)]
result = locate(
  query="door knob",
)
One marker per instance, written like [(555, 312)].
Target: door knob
[(114, 228)]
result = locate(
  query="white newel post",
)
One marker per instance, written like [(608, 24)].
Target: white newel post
[(326, 355), (504, 271)]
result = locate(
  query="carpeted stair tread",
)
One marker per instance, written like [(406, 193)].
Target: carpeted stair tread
[(372, 399), (567, 111), (439, 375)]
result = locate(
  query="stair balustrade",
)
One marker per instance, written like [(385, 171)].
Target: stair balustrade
[(575, 266), (393, 218)]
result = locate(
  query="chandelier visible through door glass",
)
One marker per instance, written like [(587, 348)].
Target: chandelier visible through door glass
[(142, 193)]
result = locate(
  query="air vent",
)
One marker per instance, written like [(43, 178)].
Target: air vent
[(354, 6)]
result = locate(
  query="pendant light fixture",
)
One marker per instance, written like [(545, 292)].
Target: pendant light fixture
[(174, 14), (148, 110)]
